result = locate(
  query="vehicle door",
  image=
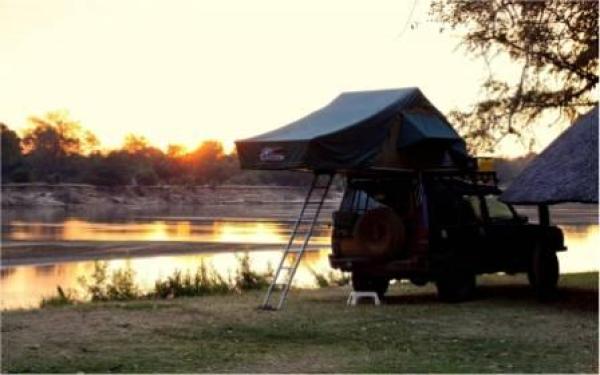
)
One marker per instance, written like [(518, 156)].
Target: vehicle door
[(459, 223), (502, 234)]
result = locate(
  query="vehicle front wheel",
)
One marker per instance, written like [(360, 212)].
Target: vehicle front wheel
[(366, 283), (543, 273), (457, 287)]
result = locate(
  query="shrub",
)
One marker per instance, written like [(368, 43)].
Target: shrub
[(121, 285), (322, 281), (96, 288), (61, 298), (204, 282), (247, 279), (331, 278)]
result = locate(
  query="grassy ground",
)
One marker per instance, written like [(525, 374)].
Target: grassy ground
[(504, 330)]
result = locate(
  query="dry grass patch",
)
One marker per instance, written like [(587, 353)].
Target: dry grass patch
[(505, 330)]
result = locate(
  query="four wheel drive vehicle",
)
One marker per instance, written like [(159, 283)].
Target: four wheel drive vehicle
[(438, 227)]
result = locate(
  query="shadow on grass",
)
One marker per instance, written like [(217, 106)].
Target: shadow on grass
[(568, 298), (411, 299)]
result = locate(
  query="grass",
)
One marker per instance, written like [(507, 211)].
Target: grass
[(504, 330)]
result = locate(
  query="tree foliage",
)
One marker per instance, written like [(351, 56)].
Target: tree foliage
[(555, 43), (58, 149), (55, 134), (12, 156), (54, 145)]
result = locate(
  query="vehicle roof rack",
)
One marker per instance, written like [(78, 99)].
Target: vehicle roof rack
[(485, 178)]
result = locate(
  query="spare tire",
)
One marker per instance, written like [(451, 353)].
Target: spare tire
[(380, 232)]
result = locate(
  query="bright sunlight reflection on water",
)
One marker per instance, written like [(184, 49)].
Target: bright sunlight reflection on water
[(160, 230), (24, 286)]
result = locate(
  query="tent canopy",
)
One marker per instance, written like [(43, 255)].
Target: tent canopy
[(566, 171), (396, 128)]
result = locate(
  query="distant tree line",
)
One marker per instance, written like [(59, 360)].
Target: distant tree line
[(56, 149)]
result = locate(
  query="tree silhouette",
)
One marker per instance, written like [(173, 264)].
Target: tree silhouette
[(58, 149), (556, 44), (13, 168), (54, 145)]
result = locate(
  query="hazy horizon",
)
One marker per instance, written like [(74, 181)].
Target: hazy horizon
[(185, 72)]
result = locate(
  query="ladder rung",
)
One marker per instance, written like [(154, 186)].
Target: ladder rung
[(303, 227), (299, 237), (297, 245), (302, 232)]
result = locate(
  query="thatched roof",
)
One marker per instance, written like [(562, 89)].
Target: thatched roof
[(566, 171)]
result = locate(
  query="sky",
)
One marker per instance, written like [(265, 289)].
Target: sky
[(180, 72)]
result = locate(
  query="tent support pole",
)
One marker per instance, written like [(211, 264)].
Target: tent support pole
[(544, 214)]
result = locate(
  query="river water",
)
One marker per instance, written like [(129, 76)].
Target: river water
[(26, 285)]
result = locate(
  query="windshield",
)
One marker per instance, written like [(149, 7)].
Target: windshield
[(498, 210)]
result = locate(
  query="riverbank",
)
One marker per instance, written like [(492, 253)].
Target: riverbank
[(74, 196), (229, 201), (316, 332)]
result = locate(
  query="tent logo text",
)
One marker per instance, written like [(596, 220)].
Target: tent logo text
[(272, 154)]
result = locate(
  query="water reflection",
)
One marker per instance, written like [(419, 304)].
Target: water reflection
[(583, 243), (25, 286), (159, 230)]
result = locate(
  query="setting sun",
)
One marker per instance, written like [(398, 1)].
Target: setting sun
[(226, 70)]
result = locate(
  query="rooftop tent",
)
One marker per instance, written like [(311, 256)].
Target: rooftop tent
[(566, 171), (396, 128)]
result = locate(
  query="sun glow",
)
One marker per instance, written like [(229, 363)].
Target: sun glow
[(221, 70)]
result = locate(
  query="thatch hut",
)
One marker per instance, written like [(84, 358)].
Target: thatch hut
[(566, 171)]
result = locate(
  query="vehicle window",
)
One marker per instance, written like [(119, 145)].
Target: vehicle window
[(357, 200), (346, 204), (471, 209), (498, 210)]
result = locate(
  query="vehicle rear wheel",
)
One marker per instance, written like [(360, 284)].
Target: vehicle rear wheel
[(456, 287), (543, 273), (366, 283)]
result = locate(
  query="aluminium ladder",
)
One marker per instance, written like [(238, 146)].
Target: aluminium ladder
[(298, 242)]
